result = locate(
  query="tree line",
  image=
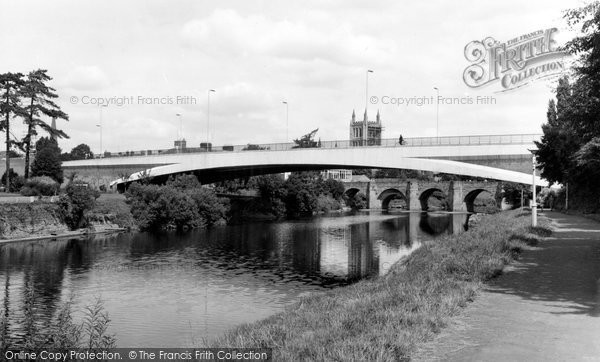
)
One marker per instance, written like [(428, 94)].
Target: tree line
[(569, 151)]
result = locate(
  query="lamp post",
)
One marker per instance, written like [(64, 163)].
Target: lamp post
[(178, 115), (533, 201), (287, 119), (208, 117), (437, 115), (100, 126), (366, 126)]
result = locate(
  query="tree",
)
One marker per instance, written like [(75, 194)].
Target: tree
[(559, 142), (301, 195), (334, 188), (81, 152), (10, 106), (75, 203), (181, 203), (588, 157), (307, 141), (39, 98), (567, 149), (47, 160), (511, 192)]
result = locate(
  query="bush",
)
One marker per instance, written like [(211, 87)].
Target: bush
[(326, 203), (40, 186), (16, 181), (181, 203), (359, 201), (75, 203)]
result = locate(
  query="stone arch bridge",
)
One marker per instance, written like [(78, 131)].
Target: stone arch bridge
[(460, 195)]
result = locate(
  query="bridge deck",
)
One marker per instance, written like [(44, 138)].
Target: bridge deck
[(510, 139)]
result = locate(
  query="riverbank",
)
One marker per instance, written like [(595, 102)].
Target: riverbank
[(545, 307), (43, 220), (388, 317)]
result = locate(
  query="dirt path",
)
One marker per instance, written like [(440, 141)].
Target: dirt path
[(545, 307)]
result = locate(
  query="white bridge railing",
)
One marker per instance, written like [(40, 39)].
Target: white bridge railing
[(390, 142)]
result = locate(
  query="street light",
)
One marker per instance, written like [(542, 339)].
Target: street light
[(100, 125), (287, 115), (533, 202), (180, 126), (208, 117), (437, 115), (366, 126)]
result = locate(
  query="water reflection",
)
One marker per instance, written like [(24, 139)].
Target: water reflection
[(170, 289)]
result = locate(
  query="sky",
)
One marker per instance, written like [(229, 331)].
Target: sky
[(152, 60)]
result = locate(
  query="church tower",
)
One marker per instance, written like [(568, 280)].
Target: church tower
[(358, 130)]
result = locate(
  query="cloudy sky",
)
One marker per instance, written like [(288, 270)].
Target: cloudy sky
[(156, 59)]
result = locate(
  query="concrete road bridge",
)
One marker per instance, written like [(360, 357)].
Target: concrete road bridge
[(494, 157)]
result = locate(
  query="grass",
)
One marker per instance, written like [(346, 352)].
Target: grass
[(386, 318)]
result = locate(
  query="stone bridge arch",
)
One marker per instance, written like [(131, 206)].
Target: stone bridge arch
[(470, 197), (427, 193), (386, 196)]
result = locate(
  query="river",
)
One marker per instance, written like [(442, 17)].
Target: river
[(174, 289)]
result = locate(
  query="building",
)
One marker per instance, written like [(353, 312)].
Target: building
[(358, 129), (180, 145), (339, 175)]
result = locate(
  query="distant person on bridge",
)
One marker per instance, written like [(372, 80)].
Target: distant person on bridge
[(401, 140)]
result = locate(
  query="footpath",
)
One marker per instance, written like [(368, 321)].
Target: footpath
[(544, 307)]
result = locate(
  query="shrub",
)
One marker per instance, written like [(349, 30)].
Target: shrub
[(75, 203), (16, 181), (326, 203), (40, 186), (359, 201), (181, 203)]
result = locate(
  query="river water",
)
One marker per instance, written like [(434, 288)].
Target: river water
[(175, 289)]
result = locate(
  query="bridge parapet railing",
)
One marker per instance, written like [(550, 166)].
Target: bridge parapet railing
[(389, 142)]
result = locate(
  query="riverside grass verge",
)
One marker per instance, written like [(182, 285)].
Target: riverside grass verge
[(386, 318)]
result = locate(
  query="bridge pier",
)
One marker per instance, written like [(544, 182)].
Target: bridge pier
[(456, 196), (412, 193), (372, 194)]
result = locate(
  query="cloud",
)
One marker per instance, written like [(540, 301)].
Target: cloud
[(87, 78), (309, 39)]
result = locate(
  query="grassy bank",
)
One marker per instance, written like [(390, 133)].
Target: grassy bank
[(386, 318)]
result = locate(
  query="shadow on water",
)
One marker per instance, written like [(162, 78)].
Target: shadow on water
[(162, 288), (565, 269)]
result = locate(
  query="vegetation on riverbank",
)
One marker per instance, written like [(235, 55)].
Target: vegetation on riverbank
[(59, 332), (569, 151), (386, 318), (301, 194), (181, 203)]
